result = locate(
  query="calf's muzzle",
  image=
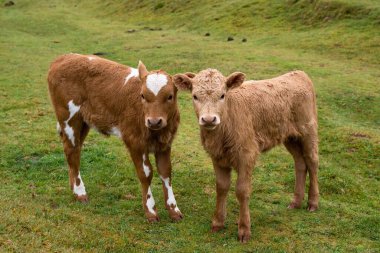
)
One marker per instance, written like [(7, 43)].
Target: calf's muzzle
[(155, 123)]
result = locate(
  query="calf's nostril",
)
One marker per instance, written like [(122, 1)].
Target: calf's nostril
[(209, 119), (152, 122)]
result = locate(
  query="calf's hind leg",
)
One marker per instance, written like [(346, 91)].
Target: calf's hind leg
[(310, 153), (73, 133), (295, 149)]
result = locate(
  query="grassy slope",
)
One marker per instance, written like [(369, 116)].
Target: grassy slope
[(341, 54)]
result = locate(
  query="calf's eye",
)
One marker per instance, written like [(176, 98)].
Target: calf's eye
[(195, 97), (222, 97), (170, 97), (142, 96)]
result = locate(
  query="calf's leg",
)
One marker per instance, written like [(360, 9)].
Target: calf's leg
[(145, 173), (73, 133), (310, 153), (243, 192), (295, 148), (164, 168), (223, 182)]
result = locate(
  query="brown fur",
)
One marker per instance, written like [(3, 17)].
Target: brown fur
[(254, 116), (99, 87)]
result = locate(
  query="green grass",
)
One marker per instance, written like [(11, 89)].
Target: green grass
[(336, 42)]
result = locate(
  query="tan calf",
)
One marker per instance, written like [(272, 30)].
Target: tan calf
[(240, 120), (138, 106)]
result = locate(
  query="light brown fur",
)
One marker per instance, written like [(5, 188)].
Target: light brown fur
[(240, 120), (106, 101)]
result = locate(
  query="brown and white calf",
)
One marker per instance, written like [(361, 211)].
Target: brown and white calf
[(240, 120), (138, 106)]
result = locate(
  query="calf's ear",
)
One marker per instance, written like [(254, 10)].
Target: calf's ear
[(235, 80), (190, 74), (143, 72), (183, 81)]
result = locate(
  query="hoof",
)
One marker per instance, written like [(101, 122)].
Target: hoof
[(244, 237), (312, 207), (177, 216), (294, 205), (153, 219), (83, 198), (215, 229)]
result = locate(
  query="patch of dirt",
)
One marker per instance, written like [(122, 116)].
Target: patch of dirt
[(9, 3), (128, 196), (360, 135), (209, 190), (152, 28), (54, 205)]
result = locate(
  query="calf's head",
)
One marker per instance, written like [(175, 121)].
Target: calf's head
[(158, 96), (209, 89)]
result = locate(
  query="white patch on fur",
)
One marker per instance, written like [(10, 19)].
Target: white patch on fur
[(171, 199), (155, 82), (115, 131), (150, 201), (146, 168), (68, 129), (72, 109), (70, 133), (59, 130), (134, 73), (79, 190), (91, 58)]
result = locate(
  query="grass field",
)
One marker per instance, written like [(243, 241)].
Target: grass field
[(336, 42)]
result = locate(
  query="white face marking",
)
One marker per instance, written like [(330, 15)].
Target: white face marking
[(59, 130), (115, 131), (150, 201), (134, 73), (79, 190), (155, 82), (146, 168), (91, 58), (68, 129), (171, 199)]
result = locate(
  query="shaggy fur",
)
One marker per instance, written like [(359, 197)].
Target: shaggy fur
[(239, 121), (114, 102)]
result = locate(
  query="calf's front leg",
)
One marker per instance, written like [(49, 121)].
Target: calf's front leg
[(243, 192), (145, 173), (223, 182), (164, 168)]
